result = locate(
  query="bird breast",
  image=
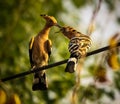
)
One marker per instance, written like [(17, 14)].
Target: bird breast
[(39, 56)]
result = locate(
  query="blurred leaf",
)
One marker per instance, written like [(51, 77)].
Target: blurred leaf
[(3, 97), (118, 20), (110, 4), (116, 80), (114, 40), (14, 99), (113, 61), (100, 74), (111, 94), (79, 3), (90, 92)]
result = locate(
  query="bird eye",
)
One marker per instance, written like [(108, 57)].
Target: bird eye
[(50, 21), (43, 15), (73, 30)]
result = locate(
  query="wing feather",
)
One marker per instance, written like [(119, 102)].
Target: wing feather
[(49, 47), (30, 51)]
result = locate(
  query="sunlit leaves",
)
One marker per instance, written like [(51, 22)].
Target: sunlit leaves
[(113, 55), (113, 61), (9, 98), (14, 99), (2, 97), (114, 40)]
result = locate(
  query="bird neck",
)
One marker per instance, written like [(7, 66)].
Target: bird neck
[(45, 31)]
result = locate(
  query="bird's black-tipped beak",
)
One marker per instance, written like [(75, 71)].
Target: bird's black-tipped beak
[(58, 25)]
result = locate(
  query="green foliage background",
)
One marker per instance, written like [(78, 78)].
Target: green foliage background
[(19, 21)]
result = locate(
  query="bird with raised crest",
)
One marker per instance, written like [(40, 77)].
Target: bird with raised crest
[(39, 53)]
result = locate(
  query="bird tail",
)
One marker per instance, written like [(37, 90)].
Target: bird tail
[(71, 65), (40, 81)]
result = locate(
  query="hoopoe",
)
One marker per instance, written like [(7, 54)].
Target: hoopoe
[(39, 52), (78, 46)]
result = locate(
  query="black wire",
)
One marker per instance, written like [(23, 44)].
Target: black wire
[(53, 65)]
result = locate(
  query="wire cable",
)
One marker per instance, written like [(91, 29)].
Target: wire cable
[(54, 64)]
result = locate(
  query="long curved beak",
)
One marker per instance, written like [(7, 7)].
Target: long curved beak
[(58, 25)]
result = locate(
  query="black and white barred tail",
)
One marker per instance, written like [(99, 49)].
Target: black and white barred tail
[(40, 81), (78, 47)]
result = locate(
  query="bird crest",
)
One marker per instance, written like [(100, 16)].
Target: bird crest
[(50, 19)]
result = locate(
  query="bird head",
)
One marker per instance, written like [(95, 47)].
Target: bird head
[(68, 31), (51, 21)]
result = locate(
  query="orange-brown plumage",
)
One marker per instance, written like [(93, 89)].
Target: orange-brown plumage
[(39, 52)]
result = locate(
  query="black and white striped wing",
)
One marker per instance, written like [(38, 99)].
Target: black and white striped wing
[(78, 46)]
